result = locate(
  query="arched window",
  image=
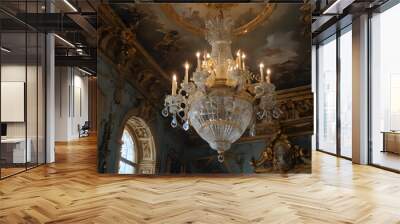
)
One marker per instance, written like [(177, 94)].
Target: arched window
[(127, 164), (138, 152)]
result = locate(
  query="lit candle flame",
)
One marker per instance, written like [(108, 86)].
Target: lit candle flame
[(186, 72), (268, 75)]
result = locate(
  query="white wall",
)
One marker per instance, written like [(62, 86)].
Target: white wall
[(33, 127), (16, 73), (71, 102), (12, 73)]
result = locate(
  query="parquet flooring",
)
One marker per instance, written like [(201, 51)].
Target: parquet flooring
[(71, 191), (7, 171)]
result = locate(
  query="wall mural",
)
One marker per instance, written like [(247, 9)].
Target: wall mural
[(141, 45)]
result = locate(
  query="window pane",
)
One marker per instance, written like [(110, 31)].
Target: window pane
[(346, 94), (127, 150), (125, 168), (327, 96), (385, 78), (41, 79), (127, 153), (32, 97)]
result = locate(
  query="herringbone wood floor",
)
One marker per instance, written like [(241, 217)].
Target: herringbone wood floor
[(70, 191)]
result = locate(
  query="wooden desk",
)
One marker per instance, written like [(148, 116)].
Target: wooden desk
[(13, 150), (391, 141)]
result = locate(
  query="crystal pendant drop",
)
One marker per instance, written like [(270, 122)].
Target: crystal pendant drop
[(174, 123), (220, 158), (186, 126), (164, 112)]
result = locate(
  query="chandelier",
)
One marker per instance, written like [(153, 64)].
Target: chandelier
[(223, 98)]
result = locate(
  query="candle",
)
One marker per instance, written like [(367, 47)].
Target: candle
[(243, 65), (238, 59), (204, 60), (186, 73), (262, 72), (174, 85), (268, 75), (198, 61)]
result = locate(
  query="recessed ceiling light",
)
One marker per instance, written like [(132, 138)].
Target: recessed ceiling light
[(70, 5), (5, 50), (337, 7), (65, 41), (84, 71)]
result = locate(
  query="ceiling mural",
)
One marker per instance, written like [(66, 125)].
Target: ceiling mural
[(274, 34), (141, 45)]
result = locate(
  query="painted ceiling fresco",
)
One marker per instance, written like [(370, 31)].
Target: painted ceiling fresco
[(277, 35)]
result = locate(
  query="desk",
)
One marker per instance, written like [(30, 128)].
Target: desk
[(13, 150), (391, 141)]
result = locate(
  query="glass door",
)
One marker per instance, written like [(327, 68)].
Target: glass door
[(345, 100), (326, 105)]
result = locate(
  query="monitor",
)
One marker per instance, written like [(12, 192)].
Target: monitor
[(3, 129)]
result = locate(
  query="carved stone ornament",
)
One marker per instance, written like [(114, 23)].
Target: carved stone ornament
[(279, 156)]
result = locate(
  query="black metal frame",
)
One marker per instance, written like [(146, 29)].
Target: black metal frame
[(369, 115), (44, 57), (338, 153), (0, 88), (338, 96)]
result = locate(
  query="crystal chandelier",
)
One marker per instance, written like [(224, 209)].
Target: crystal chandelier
[(223, 98)]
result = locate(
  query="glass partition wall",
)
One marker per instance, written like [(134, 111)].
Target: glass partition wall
[(345, 92), (334, 94), (22, 98), (385, 89), (326, 105)]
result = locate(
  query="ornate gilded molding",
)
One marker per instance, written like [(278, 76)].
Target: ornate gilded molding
[(281, 155), (118, 47), (112, 30), (145, 146), (248, 27)]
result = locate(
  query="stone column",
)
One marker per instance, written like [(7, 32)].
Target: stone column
[(360, 89)]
